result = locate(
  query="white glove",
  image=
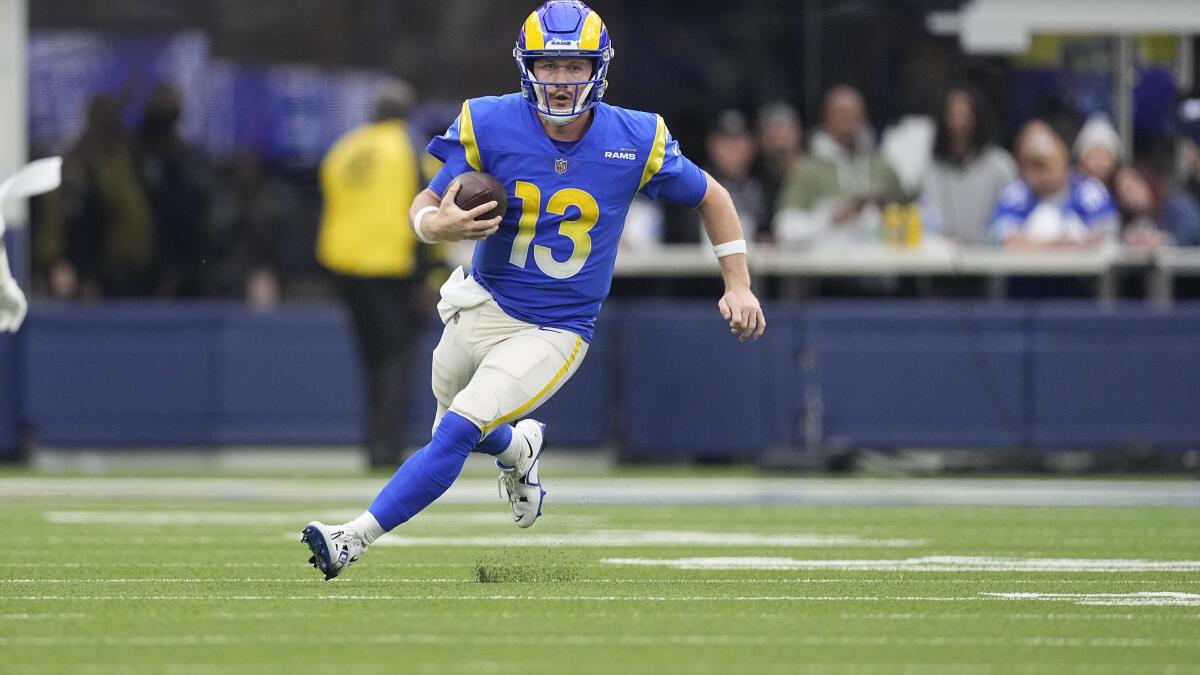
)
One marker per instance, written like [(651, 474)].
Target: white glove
[(12, 300)]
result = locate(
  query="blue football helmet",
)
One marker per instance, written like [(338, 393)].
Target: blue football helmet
[(563, 28)]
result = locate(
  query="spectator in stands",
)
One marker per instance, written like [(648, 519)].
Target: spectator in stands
[(1098, 150), (1151, 214), (1189, 144), (250, 219), (96, 238), (833, 195), (178, 184), (780, 142), (968, 172), (368, 179), (731, 152), (1049, 207)]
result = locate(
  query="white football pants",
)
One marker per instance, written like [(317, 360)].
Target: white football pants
[(491, 368)]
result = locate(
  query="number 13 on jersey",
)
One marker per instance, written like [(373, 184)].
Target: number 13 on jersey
[(576, 230)]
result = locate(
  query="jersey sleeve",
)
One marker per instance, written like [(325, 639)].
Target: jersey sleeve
[(1011, 211), (456, 149), (669, 175), (1093, 203)]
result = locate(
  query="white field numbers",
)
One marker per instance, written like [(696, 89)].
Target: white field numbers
[(576, 230)]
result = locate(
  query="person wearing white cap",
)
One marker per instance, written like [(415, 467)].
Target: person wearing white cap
[(1151, 214), (1098, 150), (1049, 207)]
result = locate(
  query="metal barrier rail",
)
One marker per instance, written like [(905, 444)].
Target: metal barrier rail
[(1160, 268)]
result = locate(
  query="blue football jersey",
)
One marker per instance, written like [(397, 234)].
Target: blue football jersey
[(551, 261), (1087, 200)]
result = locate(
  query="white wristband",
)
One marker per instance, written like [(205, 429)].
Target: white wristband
[(417, 225), (730, 248)]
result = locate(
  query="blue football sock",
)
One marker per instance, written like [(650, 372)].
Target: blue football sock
[(427, 474), (497, 441)]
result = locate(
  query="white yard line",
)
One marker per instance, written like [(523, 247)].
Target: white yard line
[(1141, 599), (468, 598), (297, 518), (725, 614), (807, 667), (923, 564), (721, 640), (1147, 599), (716, 491), (610, 538), (207, 565), (1018, 616), (55, 616), (650, 581)]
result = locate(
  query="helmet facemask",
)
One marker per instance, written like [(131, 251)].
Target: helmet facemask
[(586, 93)]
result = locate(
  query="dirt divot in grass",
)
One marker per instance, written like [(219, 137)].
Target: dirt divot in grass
[(508, 566)]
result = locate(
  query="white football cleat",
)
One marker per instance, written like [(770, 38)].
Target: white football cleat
[(520, 484), (334, 547)]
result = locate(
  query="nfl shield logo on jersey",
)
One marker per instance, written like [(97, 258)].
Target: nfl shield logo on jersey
[(560, 166)]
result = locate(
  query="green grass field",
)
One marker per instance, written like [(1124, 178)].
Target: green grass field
[(101, 585)]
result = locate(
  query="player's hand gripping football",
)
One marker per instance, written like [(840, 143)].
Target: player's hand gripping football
[(451, 223), (745, 316)]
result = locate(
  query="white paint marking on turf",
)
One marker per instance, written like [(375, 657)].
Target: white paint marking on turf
[(209, 580), (464, 580), (624, 640), (1020, 616), (1126, 600), (267, 517), (56, 616), (548, 598), (674, 491), (606, 538), (924, 564), (1141, 599), (207, 565)]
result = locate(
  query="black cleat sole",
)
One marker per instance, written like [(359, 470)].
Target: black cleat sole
[(320, 553)]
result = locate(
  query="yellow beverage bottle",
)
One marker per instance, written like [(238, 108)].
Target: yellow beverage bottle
[(913, 227)]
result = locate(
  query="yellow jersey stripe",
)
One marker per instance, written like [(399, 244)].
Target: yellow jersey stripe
[(504, 419), (466, 132), (534, 38), (589, 38), (657, 152)]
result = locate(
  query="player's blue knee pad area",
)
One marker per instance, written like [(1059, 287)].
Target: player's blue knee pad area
[(497, 441), (428, 473)]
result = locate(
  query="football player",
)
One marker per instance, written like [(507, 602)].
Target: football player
[(519, 325)]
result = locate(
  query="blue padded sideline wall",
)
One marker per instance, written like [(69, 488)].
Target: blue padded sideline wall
[(663, 379), (9, 409), (689, 389), (213, 374), (1127, 376), (931, 374)]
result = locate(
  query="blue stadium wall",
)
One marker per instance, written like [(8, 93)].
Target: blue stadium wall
[(663, 380)]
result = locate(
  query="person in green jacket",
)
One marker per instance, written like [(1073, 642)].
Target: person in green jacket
[(833, 194)]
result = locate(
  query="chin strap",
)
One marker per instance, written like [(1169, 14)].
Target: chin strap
[(558, 120)]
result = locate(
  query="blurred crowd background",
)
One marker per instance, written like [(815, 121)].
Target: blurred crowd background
[(193, 130)]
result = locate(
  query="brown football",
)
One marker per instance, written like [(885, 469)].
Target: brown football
[(480, 188)]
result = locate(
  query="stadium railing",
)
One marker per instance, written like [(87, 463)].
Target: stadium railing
[(790, 265)]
